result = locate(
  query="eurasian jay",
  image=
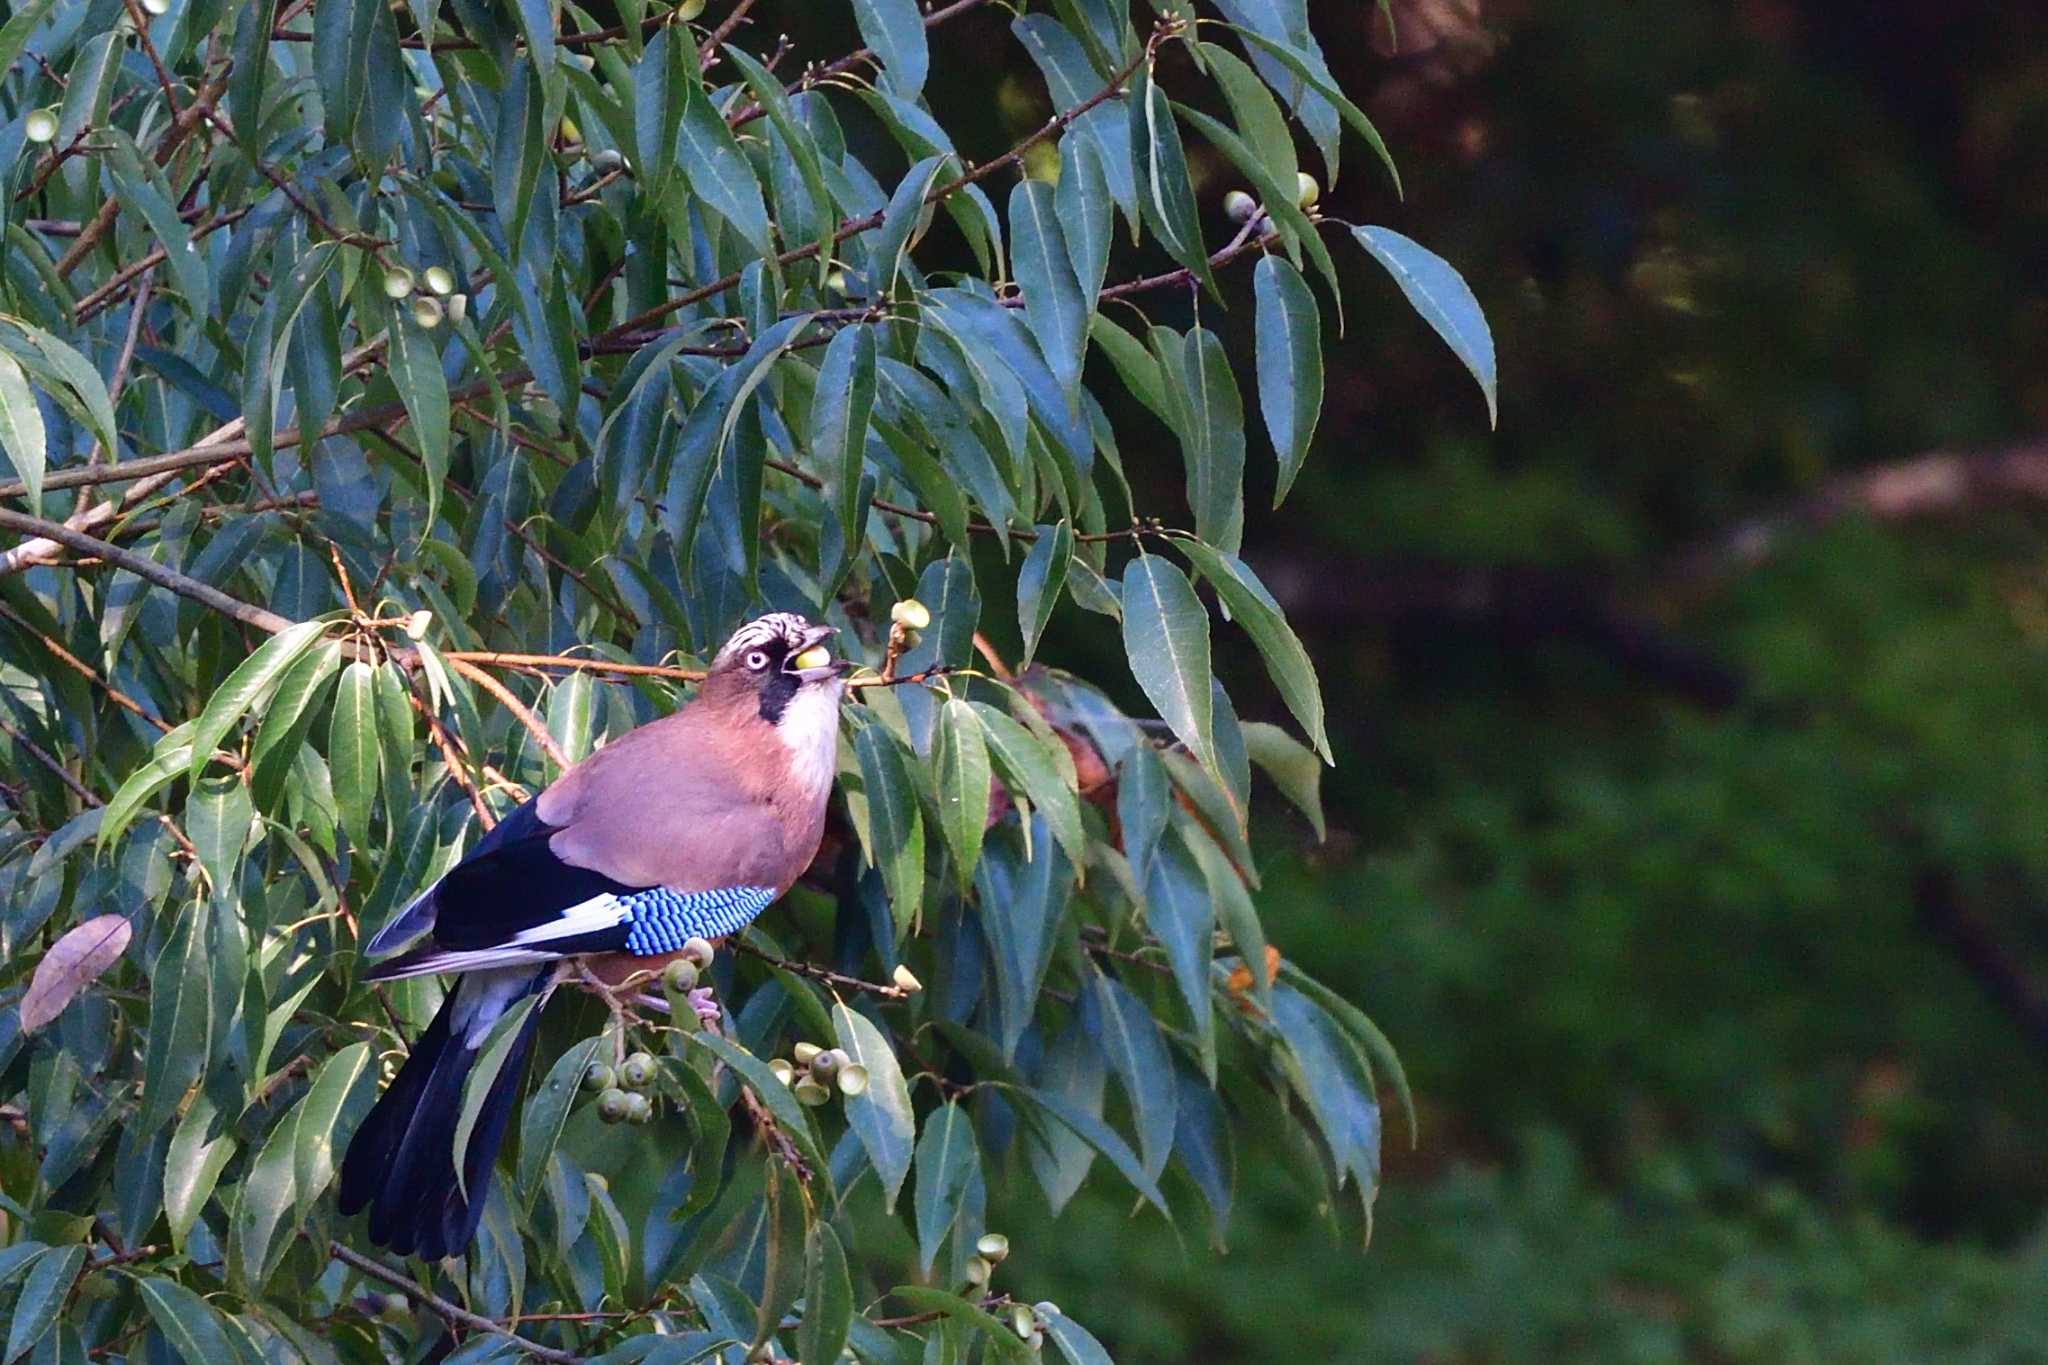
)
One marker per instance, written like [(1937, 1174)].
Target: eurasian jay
[(689, 826)]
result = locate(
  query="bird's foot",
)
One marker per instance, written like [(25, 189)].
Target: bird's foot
[(705, 1003)]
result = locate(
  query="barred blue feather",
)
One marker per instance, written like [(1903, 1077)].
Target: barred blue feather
[(660, 920)]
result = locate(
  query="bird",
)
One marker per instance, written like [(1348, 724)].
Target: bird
[(688, 826)]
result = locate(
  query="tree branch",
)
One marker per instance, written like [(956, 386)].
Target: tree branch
[(449, 1313)]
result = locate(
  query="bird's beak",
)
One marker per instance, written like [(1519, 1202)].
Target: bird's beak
[(813, 662)]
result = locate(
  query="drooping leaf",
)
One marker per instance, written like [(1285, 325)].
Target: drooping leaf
[(1039, 584), (1253, 608), (22, 435), (1136, 1050), (353, 751), (187, 1321), (1166, 639), (50, 1277), (1290, 365), (839, 420), (828, 1296), (179, 1022), (948, 1158), (1053, 301), (546, 1114), (961, 774), (1440, 294), (880, 1115), (1294, 768), (246, 686), (895, 30), (895, 822), (1160, 167)]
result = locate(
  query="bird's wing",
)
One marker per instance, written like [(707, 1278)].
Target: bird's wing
[(638, 856)]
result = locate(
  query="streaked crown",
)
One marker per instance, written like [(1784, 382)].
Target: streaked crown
[(785, 629)]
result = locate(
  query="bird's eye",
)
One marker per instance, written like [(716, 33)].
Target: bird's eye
[(757, 660)]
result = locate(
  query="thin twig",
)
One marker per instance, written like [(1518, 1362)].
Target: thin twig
[(449, 1313), (817, 973), (518, 708)]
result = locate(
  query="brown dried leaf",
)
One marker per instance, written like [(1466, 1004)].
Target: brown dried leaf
[(74, 962)]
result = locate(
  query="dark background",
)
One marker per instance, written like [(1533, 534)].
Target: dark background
[(1688, 835)]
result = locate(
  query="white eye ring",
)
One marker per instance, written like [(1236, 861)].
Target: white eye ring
[(757, 660)]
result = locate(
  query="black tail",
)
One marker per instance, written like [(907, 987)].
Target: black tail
[(401, 1162)]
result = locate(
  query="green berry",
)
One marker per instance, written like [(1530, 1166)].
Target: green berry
[(614, 1104), (439, 281), (784, 1072), (40, 126), (994, 1246), (911, 614), (680, 976), (639, 1108), (426, 312), (810, 1092), (699, 951), (853, 1079), (598, 1076), (1023, 1321), (397, 283), (825, 1065), (805, 1053), (1306, 190), (906, 980), (606, 160), (689, 10), (637, 1071), (978, 1270), (458, 307)]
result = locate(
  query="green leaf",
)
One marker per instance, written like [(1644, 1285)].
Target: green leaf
[(423, 388), (961, 773), (1253, 608), (1161, 168), (187, 1321), (50, 1278), (948, 1158), (76, 377), (245, 687), (1290, 365), (1026, 760), (828, 1296), (795, 1122), (217, 817), (572, 714), (1364, 1031), (1072, 1070), (1135, 365), (1294, 768), (547, 1114), (1070, 79), (1137, 1055), (192, 1168), (662, 78), (1053, 302), (1100, 1136), (1336, 1084), (287, 720), (839, 421), (900, 226), (1074, 1340), (719, 173), (1166, 639), (1182, 916), (483, 1078), (14, 35), (1352, 114), (895, 826), (346, 1082), (179, 1004), (140, 187), (1445, 301), (353, 750), (167, 762), (1039, 584), (895, 30), (1211, 433), (1020, 903), (880, 1116), (1144, 804), (22, 435)]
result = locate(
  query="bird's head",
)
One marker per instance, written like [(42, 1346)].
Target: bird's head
[(779, 660)]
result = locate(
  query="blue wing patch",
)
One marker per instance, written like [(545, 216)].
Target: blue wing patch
[(659, 920)]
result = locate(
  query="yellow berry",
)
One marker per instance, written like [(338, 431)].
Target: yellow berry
[(1306, 190), (397, 283)]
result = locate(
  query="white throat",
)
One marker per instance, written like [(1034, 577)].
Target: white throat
[(809, 730)]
